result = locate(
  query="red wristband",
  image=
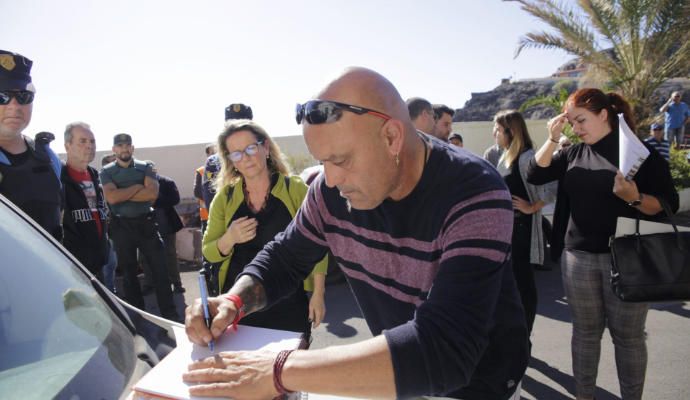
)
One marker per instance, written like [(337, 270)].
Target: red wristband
[(239, 304), (278, 365)]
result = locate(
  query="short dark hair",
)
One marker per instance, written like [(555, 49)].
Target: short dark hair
[(210, 148), (440, 109), (416, 105)]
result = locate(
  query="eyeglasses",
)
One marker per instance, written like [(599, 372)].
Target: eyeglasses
[(23, 96), (236, 156), (324, 112)]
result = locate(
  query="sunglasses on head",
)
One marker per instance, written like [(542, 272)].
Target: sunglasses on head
[(318, 112), (236, 156), (23, 96)]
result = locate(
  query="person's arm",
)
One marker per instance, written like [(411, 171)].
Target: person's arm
[(536, 193), (362, 369), (628, 192), (525, 207), (317, 304), (666, 105), (149, 192), (208, 191), (555, 127), (652, 182), (168, 195), (197, 186), (113, 195), (215, 229)]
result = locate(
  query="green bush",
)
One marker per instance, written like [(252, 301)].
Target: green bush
[(680, 168)]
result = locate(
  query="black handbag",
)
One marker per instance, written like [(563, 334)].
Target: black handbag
[(651, 267)]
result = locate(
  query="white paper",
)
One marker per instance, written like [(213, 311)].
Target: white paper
[(632, 152), (165, 379)]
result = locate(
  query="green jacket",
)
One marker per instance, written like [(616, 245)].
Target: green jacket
[(222, 211)]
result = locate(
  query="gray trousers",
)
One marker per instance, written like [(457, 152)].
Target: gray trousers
[(586, 280)]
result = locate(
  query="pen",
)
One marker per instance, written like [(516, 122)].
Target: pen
[(204, 305)]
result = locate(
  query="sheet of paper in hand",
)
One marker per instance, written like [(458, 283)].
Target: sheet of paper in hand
[(164, 381), (631, 150)]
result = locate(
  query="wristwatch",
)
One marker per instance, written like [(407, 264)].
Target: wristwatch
[(637, 202)]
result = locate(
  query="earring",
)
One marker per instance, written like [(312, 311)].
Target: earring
[(397, 159)]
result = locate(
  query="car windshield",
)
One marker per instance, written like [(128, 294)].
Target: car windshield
[(58, 338)]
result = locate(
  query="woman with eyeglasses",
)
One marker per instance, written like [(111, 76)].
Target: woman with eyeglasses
[(256, 199), (527, 244), (592, 194)]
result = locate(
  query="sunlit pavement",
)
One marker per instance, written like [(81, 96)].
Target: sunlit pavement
[(549, 375)]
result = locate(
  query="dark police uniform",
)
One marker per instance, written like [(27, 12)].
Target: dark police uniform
[(31, 183), (133, 226)]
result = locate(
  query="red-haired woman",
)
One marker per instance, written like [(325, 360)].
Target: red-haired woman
[(593, 195)]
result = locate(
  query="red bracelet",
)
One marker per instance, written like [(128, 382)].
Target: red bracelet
[(239, 304), (278, 364)]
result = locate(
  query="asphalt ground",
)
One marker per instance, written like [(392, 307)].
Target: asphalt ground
[(549, 375)]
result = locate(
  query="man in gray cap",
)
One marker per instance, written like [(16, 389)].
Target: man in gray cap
[(131, 187), (29, 171)]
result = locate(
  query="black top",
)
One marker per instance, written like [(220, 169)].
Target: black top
[(32, 184), (586, 174), (81, 232), (514, 181), (16, 159), (465, 338), (271, 220)]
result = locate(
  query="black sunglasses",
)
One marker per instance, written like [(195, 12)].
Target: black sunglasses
[(324, 112), (23, 96)]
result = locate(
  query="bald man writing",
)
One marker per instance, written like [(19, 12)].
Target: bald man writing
[(423, 233)]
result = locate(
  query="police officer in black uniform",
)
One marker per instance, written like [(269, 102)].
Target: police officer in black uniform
[(29, 170), (131, 187)]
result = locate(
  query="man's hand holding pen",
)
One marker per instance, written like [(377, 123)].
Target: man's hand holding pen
[(222, 311)]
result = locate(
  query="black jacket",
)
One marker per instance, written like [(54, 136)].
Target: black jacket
[(168, 197), (33, 186), (81, 233)]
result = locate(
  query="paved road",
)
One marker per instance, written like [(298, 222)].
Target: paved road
[(549, 375)]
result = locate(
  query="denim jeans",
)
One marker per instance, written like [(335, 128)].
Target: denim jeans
[(675, 135)]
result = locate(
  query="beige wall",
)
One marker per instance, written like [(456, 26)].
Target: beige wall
[(179, 162), (477, 135)]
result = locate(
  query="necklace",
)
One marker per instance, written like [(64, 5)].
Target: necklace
[(248, 200)]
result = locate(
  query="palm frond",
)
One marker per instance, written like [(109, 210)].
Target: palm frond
[(649, 40)]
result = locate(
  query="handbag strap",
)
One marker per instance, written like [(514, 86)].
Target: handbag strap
[(671, 219)]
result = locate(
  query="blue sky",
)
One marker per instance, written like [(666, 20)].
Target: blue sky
[(164, 71)]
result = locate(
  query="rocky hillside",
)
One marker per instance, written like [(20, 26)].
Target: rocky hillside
[(483, 106)]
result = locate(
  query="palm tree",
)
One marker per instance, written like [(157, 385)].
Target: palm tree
[(555, 102), (635, 44)]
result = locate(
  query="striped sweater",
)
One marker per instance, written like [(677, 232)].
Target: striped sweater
[(431, 272)]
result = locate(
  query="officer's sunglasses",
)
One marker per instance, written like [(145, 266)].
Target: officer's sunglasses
[(324, 112), (23, 96), (236, 156)]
